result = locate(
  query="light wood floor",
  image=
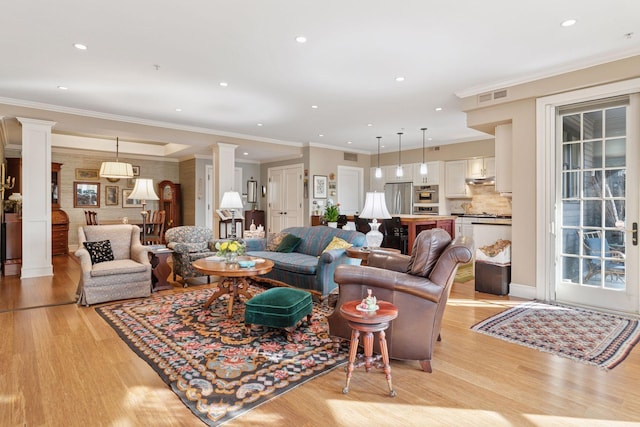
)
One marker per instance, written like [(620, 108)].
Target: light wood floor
[(62, 365)]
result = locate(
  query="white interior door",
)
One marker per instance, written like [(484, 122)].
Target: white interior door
[(350, 189), (597, 204)]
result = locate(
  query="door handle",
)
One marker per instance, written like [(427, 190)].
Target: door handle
[(634, 235)]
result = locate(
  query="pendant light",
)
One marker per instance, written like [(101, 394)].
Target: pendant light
[(116, 169), (423, 165), (379, 169), (399, 171)]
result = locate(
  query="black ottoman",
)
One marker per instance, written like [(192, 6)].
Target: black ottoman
[(278, 308)]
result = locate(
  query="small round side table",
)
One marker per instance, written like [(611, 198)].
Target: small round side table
[(369, 322)]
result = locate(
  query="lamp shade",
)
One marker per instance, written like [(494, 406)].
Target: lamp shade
[(231, 200), (143, 190), (375, 206), (116, 170)]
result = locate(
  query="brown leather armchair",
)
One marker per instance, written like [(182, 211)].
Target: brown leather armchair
[(418, 285)]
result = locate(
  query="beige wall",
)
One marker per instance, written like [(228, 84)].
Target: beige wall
[(519, 108), (155, 169), (462, 150)]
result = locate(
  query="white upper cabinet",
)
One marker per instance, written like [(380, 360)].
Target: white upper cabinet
[(481, 167), (504, 150), (389, 173), (431, 178), (455, 174)]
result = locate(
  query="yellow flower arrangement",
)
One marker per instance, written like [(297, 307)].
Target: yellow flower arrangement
[(230, 246)]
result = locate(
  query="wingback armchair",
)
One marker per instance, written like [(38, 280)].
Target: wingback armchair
[(122, 269), (189, 243), (418, 285)]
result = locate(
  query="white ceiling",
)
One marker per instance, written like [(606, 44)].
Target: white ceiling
[(146, 58)]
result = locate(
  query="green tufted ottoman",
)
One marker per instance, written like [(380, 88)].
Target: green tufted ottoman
[(278, 308)]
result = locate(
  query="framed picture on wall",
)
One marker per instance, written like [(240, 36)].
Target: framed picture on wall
[(319, 186), (87, 174), (136, 170), (130, 203), (111, 195), (86, 194)]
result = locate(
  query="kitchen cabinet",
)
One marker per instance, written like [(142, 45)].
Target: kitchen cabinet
[(481, 167), (431, 178), (389, 173), (455, 175), (503, 163)]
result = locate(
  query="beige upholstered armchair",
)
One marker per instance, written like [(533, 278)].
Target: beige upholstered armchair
[(115, 265), (418, 285)]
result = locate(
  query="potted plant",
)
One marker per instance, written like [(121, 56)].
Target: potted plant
[(331, 214)]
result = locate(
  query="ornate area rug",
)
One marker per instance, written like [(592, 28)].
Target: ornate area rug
[(587, 336), (464, 273), (218, 371)]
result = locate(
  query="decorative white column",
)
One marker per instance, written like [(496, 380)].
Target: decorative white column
[(36, 197), (224, 164)]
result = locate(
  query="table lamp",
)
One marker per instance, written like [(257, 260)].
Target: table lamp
[(231, 200), (143, 191), (375, 207)]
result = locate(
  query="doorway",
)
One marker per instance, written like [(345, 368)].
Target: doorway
[(593, 203)]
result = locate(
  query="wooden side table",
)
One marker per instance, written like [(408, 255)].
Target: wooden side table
[(369, 322), (363, 253), (160, 269)]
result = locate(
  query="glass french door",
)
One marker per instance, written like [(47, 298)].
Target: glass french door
[(597, 205)]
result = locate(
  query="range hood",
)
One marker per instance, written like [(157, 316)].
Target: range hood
[(487, 180)]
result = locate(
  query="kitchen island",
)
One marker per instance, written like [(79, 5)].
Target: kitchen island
[(417, 223)]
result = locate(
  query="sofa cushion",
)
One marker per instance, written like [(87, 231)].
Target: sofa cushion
[(315, 239), (289, 244), (337, 243), (99, 251), (116, 267), (293, 262), (274, 240)]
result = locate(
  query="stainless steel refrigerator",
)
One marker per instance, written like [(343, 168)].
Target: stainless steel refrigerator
[(399, 197)]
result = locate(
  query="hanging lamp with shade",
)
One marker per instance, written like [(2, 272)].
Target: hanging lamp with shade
[(116, 170), (399, 171), (423, 166), (379, 169)]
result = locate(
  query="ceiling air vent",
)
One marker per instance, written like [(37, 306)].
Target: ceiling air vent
[(485, 97), (500, 94), (352, 157)]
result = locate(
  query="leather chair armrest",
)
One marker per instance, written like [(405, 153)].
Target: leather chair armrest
[(389, 261), (373, 277)]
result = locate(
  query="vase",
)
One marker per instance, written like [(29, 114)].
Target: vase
[(333, 224), (231, 258)]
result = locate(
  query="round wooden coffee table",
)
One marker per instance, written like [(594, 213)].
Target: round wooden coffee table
[(234, 280), (368, 322)]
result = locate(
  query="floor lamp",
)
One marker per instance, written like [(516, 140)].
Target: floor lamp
[(143, 191), (375, 207), (231, 200)]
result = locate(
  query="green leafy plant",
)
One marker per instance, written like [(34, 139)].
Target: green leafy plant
[(331, 212)]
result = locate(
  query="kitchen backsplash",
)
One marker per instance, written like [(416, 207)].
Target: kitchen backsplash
[(484, 199)]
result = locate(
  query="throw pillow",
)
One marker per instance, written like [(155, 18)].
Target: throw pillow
[(337, 243), (289, 243), (99, 251), (274, 241)]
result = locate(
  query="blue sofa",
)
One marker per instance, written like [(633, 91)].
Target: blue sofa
[(307, 267)]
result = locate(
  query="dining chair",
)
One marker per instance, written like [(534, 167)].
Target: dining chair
[(91, 217)]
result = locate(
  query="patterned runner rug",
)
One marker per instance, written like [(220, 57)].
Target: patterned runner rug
[(586, 336), (217, 371)]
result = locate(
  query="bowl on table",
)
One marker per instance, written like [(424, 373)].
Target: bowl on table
[(246, 263)]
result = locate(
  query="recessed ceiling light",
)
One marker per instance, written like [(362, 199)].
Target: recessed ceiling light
[(315, 107), (369, 124), (301, 39), (245, 153), (568, 22), (399, 79), (80, 46), (178, 109), (63, 88), (224, 84), (321, 135), (429, 139), (259, 124), (438, 108), (349, 142)]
